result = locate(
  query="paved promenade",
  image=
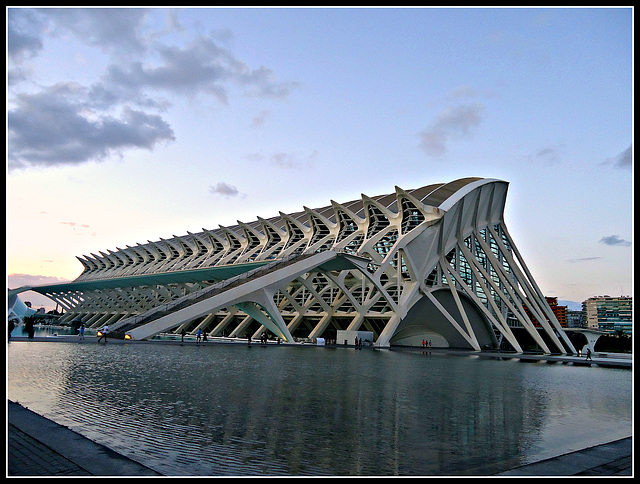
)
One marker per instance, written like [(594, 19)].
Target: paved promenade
[(611, 459), (40, 447)]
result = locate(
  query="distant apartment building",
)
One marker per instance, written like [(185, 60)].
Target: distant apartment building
[(560, 312), (575, 319), (609, 314)]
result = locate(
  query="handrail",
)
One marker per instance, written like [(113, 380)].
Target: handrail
[(205, 293)]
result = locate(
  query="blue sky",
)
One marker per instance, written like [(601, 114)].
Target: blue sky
[(128, 125)]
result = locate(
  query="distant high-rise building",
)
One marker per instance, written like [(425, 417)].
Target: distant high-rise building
[(609, 314), (575, 319), (560, 312)]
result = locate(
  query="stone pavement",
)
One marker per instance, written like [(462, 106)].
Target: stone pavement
[(610, 459), (39, 447)]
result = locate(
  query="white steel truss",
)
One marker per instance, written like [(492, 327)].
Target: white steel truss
[(441, 265)]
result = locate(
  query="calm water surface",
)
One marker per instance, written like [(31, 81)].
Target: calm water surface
[(225, 409)]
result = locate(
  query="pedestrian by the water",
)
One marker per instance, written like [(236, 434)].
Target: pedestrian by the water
[(182, 333), (198, 336), (588, 353), (81, 332), (204, 336), (28, 327), (104, 333)]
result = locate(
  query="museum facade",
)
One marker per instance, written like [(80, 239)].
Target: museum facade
[(433, 264)]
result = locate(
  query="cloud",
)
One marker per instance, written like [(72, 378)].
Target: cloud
[(75, 224), (225, 190), (623, 160), (80, 229), (201, 67), (293, 161), (260, 119), (117, 30), (452, 123), (614, 240), (585, 259), (547, 155), (18, 280), (23, 29), (70, 123), (112, 30), (58, 126), (287, 161)]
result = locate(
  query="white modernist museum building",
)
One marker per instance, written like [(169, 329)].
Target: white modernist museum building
[(429, 264)]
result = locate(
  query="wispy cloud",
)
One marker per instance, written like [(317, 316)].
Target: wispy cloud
[(80, 229), (260, 119), (548, 155), (18, 280), (545, 156), (614, 240), (75, 224), (453, 122), (585, 259), (286, 161), (225, 190), (623, 160)]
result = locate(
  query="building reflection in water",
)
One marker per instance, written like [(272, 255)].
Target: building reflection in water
[(233, 410)]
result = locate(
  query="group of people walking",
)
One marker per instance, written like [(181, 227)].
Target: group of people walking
[(201, 336)]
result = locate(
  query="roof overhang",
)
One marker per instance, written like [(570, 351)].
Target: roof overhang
[(215, 274)]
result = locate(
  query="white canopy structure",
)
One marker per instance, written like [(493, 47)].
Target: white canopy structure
[(429, 264)]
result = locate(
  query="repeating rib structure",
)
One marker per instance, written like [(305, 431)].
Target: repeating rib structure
[(435, 263)]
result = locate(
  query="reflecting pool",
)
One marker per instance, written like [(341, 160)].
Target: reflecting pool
[(227, 409)]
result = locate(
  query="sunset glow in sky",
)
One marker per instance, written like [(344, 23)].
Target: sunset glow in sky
[(128, 125)]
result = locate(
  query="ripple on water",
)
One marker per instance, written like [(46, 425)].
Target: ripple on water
[(228, 410)]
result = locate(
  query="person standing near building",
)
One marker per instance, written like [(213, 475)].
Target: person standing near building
[(81, 332), (103, 333)]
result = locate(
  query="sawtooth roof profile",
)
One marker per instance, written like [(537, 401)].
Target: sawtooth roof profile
[(434, 264)]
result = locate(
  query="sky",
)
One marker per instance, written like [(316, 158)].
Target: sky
[(130, 125)]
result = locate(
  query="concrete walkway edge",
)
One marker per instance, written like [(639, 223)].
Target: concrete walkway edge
[(609, 459), (60, 450)]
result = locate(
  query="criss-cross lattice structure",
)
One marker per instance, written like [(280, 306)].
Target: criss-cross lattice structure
[(429, 264)]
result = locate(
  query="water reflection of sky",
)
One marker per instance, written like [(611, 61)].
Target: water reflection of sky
[(231, 410)]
